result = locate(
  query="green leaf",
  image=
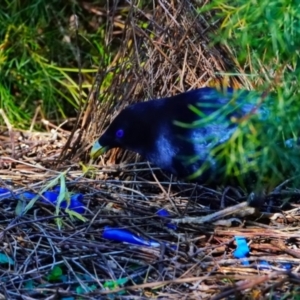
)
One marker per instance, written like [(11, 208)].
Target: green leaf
[(55, 274), (20, 208), (73, 213), (115, 283)]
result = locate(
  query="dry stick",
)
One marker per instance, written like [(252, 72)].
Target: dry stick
[(155, 44), (246, 284), (190, 197), (37, 111), (169, 14), (30, 165), (162, 189), (57, 128), (280, 245), (240, 286), (85, 111), (10, 130), (65, 148), (154, 284), (242, 209), (89, 105), (183, 70), (13, 224)]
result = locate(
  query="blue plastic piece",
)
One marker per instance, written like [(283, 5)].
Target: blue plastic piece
[(27, 196), (286, 266), (242, 250), (51, 196), (75, 201), (164, 213), (4, 193), (264, 265), (124, 235)]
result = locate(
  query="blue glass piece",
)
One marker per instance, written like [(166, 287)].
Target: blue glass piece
[(242, 250), (124, 235), (264, 265), (164, 213)]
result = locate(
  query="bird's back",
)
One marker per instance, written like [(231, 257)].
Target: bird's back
[(190, 125)]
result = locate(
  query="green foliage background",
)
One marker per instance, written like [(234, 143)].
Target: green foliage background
[(264, 39), (38, 58)]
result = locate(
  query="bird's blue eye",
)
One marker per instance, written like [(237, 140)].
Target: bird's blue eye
[(120, 133)]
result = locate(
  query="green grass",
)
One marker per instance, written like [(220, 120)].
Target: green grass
[(38, 59)]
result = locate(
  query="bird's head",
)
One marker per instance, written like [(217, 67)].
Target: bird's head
[(129, 130)]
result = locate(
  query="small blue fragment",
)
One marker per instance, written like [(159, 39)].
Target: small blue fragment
[(27, 196), (242, 250), (264, 265), (123, 235), (286, 266), (4, 194), (164, 213), (75, 200), (56, 189), (50, 196)]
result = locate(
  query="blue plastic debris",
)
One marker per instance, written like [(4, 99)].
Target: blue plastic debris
[(49, 196), (52, 196), (164, 213), (242, 250), (264, 265), (124, 235), (4, 193), (286, 266)]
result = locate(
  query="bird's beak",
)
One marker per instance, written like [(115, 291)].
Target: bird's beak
[(97, 150)]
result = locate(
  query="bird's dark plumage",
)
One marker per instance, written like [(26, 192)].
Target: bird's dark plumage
[(178, 133)]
